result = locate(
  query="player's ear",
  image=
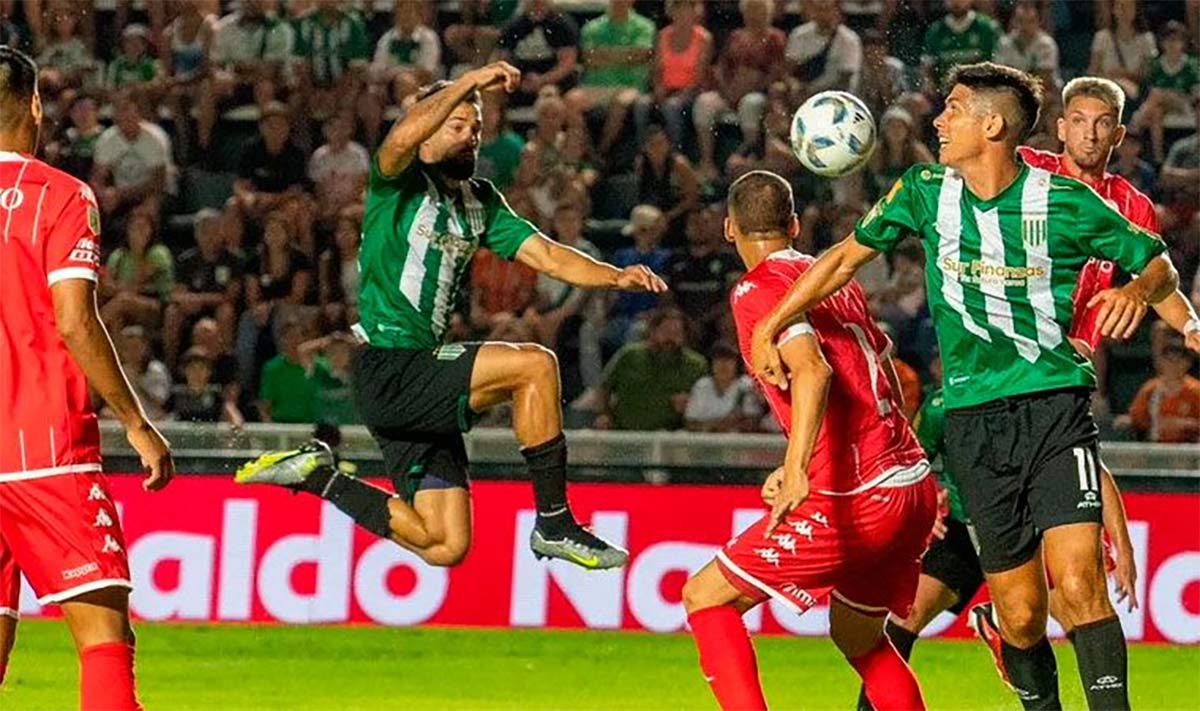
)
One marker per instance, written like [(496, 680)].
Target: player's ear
[(994, 126), (729, 237), (1061, 128), (794, 227), (1119, 136)]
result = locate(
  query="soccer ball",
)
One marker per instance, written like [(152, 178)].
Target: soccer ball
[(833, 133)]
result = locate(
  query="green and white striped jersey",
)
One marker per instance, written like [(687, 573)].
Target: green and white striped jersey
[(999, 273), (418, 239)]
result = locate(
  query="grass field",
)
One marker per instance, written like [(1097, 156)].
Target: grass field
[(247, 667)]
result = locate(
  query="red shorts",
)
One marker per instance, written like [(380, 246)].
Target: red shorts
[(63, 533), (864, 549)]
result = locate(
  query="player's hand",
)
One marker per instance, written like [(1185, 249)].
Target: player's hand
[(771, 487), (1125, 576), (495, 76), (1121, 311), (943, 510), (155, 453), (792, 492), (1192, 341), (764, 356), (639, 277)]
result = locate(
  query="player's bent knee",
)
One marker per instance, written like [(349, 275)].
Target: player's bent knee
[(1081, 596), (445, 555)]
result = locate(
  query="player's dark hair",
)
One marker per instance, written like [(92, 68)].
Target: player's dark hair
[(434, 87), (18, 82), (761, 205), (990, 77)]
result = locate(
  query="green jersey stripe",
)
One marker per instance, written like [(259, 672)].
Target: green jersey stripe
[(949, 229)]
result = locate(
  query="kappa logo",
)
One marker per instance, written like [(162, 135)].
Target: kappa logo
[(804, 528), (96, 493), (786, 541), (742, 289), (770, 555), (110, 545), (820, 518), (103, 520)]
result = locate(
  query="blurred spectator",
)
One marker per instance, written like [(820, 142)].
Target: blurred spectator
[(327, 363), (138, 277), (65, 59), (208, 282), (725, 400), (150, 379), (963, 36), (500, 290), (646, 384), (1173, 82), (1030, 48), (331, 46), (409, 49), (500, 146), (773, 150), (1167, 407), (823, 53), (206, 335), (74, 150), (683, 58), (883, 78), (617, 51), (198, 398), (131, 163), (473, 39), (337, 272), (898, 150), (1130, 164), (752, 58), (251, 53), (1181, 170), (338, 170), (666, 180), (646, 226), (134, 67), (1123, 49), (543, 43), (701, 274), (272, 176), (187, 45), (285, 393)]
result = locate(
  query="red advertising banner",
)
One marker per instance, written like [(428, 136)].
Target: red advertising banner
[(209, 550)]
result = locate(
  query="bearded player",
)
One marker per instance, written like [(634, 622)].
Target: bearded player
[(853, 505), (1005, 243), (425, 216), (58, 523)]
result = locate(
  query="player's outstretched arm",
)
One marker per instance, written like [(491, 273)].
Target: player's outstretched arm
[(1122, 309), (568, 264), (810, 375), (832, 270), (427, 115), (78, 321)]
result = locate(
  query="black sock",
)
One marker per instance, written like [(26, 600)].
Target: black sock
[(548, 470), (1103, 663), (366, 504), (903, 641), (1034, 673)]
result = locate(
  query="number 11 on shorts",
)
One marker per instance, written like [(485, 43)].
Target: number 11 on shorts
[(1085, 466)]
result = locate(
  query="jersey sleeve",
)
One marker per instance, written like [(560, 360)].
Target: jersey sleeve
[(895, 215), (1106, 234), (504, 230), (72, 238)]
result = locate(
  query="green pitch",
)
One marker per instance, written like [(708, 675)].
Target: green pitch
[(293, 668)]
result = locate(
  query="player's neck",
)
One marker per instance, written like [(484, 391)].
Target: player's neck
[(756, 252), (990, 175), (16, 142)]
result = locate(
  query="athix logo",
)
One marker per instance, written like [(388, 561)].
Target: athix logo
[(1107, 682)]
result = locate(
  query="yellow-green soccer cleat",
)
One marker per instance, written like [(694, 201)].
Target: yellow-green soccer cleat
[(579, 547), (286, 468)]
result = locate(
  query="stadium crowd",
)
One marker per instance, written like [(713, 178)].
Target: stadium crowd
[(229, 143)]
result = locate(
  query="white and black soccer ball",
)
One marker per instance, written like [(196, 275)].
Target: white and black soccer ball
[(833, 133)]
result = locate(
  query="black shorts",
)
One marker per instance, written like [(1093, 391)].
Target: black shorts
[(954, 562), (416, 405), (1024, 465)]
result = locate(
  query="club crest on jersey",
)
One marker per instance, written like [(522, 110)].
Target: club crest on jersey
[(1033, 232), (94, 220)]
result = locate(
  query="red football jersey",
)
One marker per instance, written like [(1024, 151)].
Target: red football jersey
[(864, 437), (49, 232), (1097, 275)]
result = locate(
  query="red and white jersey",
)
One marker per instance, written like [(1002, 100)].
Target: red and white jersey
[(1096, 275), (864, 438), (49, 232)]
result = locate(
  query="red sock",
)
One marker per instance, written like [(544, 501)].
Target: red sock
[(727, 658), (888, 680), (106, 678)]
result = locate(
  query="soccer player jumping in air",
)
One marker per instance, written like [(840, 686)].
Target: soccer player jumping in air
[(425, 217), (58, 523), (853, 505), (1005, 244)]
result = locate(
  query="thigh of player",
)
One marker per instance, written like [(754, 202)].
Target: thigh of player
[(63, 533), (431, 474), (416, 391), (985, 449), (953, 562)]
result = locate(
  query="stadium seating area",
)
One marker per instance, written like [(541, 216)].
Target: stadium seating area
[(228, 143)]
